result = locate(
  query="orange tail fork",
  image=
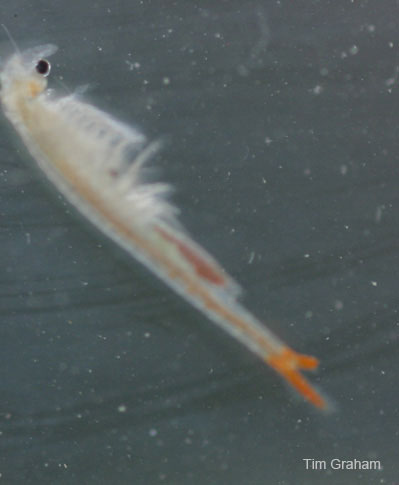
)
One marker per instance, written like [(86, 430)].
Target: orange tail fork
[(289, 363)]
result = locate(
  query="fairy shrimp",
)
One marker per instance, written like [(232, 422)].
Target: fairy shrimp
[(96, 162)]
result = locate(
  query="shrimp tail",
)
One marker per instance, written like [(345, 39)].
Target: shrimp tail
[(288, 364)]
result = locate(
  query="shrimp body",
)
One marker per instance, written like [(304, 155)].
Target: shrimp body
[(97, 164)]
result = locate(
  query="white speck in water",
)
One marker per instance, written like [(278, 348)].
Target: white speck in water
[(28, 238), (338, 305), (343, 169), (251, 257), (317, 90), (353, 50), (122, 408), (147, 335), (268, 140), (390, 44), (371, 28), (132, 65), (166, 81), (153, 432), (373, 283), (307, 255)]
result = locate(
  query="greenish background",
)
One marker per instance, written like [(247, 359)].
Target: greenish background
[(281, 122)]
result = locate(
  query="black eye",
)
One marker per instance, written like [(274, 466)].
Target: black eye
[(43, 67)]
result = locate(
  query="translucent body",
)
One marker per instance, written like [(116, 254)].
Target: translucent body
[(96, 162)]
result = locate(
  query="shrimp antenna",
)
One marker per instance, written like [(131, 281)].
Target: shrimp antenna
[(10, 38)]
